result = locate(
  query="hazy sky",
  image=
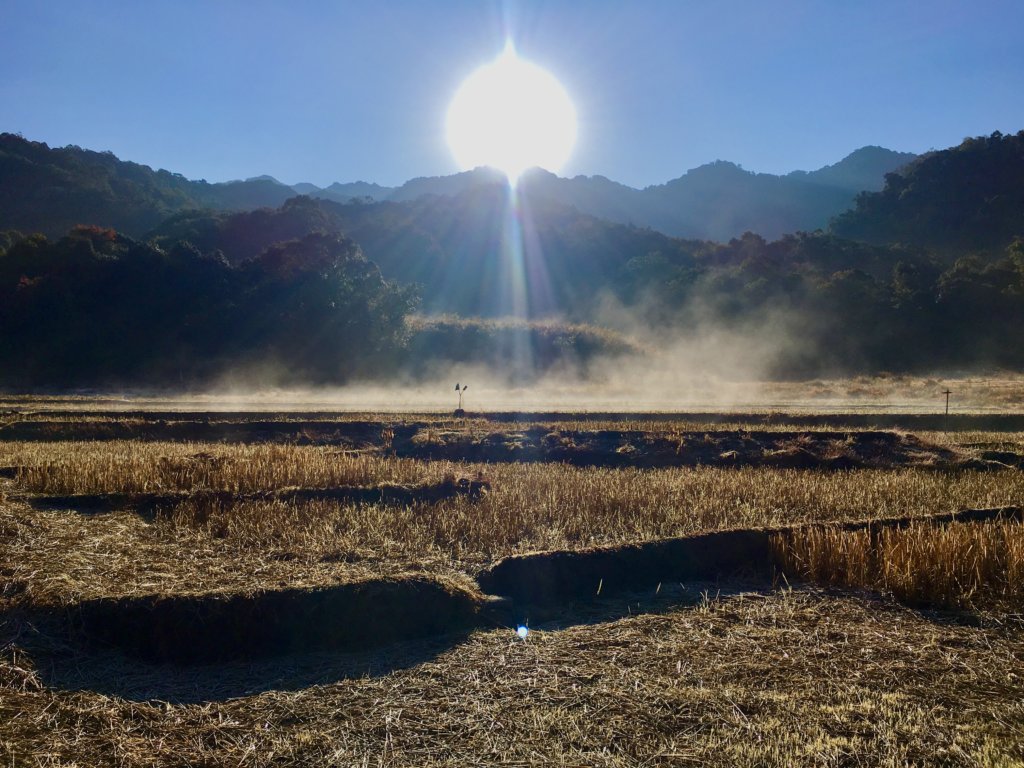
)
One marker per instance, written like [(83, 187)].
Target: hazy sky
[(347, 90)]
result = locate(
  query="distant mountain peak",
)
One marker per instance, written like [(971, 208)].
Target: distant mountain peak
[(305, 188), (265, 177), (863, 169), (718, 168)]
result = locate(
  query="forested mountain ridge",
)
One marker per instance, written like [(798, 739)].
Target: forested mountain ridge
[(51, 190), (719, 201), (969, 198), (716, 201)]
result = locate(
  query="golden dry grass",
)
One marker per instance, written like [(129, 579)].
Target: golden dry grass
[(977, 440), (611, 340), (138, 467), (958, 566), (530, 507), (785, 678), (537, 507), (56, 558)]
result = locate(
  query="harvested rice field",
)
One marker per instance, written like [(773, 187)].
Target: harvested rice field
[(255, 588)]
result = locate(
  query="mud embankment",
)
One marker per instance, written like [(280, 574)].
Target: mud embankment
[(636, 448)]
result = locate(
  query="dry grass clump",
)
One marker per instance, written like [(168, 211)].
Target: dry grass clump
[(57, 558), (977, 440), (543, 506), (785, 678), (958, 565), (745, 680), (320, 528), (216, 545), (139, 467)]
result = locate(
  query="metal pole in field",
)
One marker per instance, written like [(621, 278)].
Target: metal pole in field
[(945, 420)]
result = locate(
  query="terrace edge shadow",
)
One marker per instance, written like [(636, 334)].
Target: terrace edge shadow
[(546, 577), (198, 629)]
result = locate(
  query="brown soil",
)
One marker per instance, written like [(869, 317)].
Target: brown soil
[(635, 448)]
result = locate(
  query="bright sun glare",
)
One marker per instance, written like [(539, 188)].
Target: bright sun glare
[(511, 115)]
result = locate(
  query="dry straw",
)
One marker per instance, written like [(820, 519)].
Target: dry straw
[(791, 677), (954, 566)]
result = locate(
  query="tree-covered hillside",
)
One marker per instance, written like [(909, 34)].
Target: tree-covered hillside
[(97, 308), (968, 198), (51, 190), (852, 306), (465, 253)]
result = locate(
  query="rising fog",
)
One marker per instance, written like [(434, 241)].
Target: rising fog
[(704, 367)]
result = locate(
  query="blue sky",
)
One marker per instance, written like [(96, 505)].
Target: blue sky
[(347, 90)]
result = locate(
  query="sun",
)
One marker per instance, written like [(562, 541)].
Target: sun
[(512, 115)]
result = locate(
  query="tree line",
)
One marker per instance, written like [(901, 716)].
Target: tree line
[(926, 274), (97, 308)]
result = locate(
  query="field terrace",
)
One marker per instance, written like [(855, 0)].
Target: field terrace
[(317, 588)]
